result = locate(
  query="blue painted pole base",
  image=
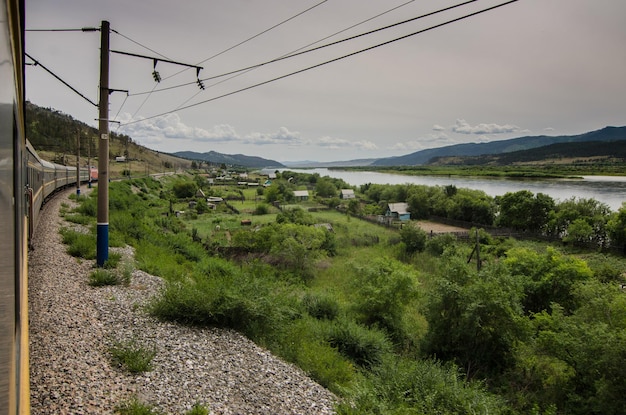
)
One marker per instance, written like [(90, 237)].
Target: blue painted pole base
[(102, 244)]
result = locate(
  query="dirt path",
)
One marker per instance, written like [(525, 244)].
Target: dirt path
[(435, 227)]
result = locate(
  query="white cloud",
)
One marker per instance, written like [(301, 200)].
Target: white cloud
[(463, 127), (438, 127), (283, 137), (170, 126)]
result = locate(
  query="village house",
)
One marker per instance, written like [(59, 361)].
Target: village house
[(347, 194), (301, 195), (399, 211)]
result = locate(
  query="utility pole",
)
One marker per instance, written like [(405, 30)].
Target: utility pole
[(102, 234), (78, 163), (89, 160)]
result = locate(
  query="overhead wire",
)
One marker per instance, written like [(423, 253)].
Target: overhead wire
[(328, 62), (284, 56), (37, 63), (299, 51), (253, 37), (220, 53), (153, 88)]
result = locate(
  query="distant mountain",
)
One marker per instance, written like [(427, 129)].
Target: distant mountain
[(590, 151), (499, 147), (229, 159), (321, 164)]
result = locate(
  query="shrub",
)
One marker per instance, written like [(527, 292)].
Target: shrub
[(303, 344), (321, 306), (102, 277), (247, 303), (438, 244), (88, 207), (132, 356), (198, 409), (401, 386), (135, 407), (80, 245), (365, 347), (414, 238), (184, 189), (262, 209), (382, 291), (113, 260)]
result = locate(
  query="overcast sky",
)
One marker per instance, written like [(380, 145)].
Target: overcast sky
[(532, 67)]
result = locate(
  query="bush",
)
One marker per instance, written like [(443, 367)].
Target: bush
[(401, 386), (414, 238), (198, 410), (184, 189), (135, 407), (262, 209), (249, 304), (321, 306), (80, 245), (302, 344), (88, 207), (382, 291), (102, 277), (132, 356), (438, 244), (365, 347)]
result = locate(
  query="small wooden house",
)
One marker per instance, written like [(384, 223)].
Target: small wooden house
[(347, 194), (399, 211), (301, 195)]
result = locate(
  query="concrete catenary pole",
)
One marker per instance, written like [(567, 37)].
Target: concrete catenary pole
[(102, 234), (78, 163)]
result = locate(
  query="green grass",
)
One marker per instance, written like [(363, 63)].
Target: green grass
[(132, 356), (134, 406), (80, 245)]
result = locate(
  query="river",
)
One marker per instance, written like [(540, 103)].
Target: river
[(606, 189)]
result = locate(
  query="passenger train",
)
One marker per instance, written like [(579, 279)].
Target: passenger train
[(44, 178), (26, 181)]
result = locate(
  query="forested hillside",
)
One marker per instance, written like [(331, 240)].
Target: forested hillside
[(609, 134), (54, 136), (613, 152)]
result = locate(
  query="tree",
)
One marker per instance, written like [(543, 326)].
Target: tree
[(548, 278), (583, 353), (384, 288), (414, 238), (595, 213), (617, 228), (475, 319), (325, 188), (579, 233), (524, 211), (184, 189)]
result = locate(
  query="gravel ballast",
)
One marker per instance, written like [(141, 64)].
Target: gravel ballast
[(73, 325)]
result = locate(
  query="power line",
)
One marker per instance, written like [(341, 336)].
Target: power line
[(327, 62), (255, 36), (37, 63), (139, 44), (246, 70), (299, 51)]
